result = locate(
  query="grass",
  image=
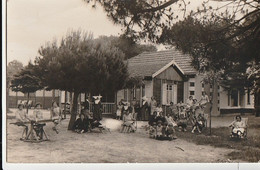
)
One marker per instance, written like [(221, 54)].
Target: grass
[(244, 149)]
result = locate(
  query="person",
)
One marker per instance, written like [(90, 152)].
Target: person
[(144, 109), (125, 109), (128, 121), (55, 116), (204, 99), (152, 130), (152, 119), (97, 108), (21, 117), (159, 113), (199, 123), (182, 123), (170, 120), (119, 110), (238, 126), (153, 104), (37, 115), (189, 102), (137, 109), (174, 110), (81, 125), (170, 132), (159, 129)]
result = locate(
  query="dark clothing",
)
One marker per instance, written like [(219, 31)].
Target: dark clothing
[(97, 111), (152, 119), (145, 111), (160, 118), (81, 124)]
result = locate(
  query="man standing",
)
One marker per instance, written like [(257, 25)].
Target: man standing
[(153, 105), (145, 109)]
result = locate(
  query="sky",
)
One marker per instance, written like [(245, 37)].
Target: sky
[(32, 23)]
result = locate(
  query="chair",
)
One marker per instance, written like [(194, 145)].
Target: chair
[(127, 129), (244, 135)]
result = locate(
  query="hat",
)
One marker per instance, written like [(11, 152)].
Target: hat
[(97, 97), (20, 104), (144, 98), (38, 104)]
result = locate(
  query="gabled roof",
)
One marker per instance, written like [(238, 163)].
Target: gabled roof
[(147, 64)]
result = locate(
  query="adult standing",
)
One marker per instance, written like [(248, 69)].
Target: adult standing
[(97, 108), (144, 109), (153, 105)]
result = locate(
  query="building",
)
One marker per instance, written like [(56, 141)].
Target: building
[(170, 77)]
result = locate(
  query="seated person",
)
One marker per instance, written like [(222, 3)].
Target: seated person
[(92, 123), (152, 130), (159, 129), (170, 120), (182, 122), (21, 117), (158, 110), (199, 123), (37, 115), (174, 110), (152, 119), (81, 124), (170, 132), (238, 126), (128, 121)]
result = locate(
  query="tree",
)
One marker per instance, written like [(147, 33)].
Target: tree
[(26, 81), (129, 47), (13, 68), (80, 64)]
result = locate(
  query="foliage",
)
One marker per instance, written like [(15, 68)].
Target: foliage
[(13, 68), (129, 47), (26, 81), (80, 64)]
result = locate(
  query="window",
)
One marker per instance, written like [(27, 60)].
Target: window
[(169, 97), (192, 84), (167, 94), (248, 96), (192, 93), (234, 98)]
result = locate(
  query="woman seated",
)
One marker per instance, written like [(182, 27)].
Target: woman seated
[(238, 127), (81, 124), (170, 120), (128, 121)]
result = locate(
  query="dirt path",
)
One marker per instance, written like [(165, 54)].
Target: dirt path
[(71, 147)]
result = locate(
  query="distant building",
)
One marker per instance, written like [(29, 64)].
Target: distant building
[(170, 77)]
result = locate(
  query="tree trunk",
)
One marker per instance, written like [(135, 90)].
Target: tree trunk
[(73, 110), (27, 105)]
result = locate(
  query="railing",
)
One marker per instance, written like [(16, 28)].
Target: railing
[(108, 108)]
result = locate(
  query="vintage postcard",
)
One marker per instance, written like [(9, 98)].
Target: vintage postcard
[(131, 84)]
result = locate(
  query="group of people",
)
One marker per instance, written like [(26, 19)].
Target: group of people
[(22, 118)]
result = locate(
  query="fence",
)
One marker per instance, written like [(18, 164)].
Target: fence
[(108, 108)]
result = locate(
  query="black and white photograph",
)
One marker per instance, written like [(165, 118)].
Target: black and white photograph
[(129, 82)]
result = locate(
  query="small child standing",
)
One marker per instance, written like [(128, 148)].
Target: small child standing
[(159, 127), (182, 124), (119, 111)]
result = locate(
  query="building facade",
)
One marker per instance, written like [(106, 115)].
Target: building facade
[(170, 77)]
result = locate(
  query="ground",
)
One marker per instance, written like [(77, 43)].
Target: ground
[(70, 147)]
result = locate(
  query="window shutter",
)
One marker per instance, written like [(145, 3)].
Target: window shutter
[(164, 94), (175, 93)]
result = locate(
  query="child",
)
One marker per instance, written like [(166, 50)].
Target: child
[(119, 110), (128, 121), (81, 125), (199, 124), (21, 117), (152, 130), (182, 124), (164, 127), (170, 132), (238, 127), (159, 127), (37, 115), (55, 116)]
